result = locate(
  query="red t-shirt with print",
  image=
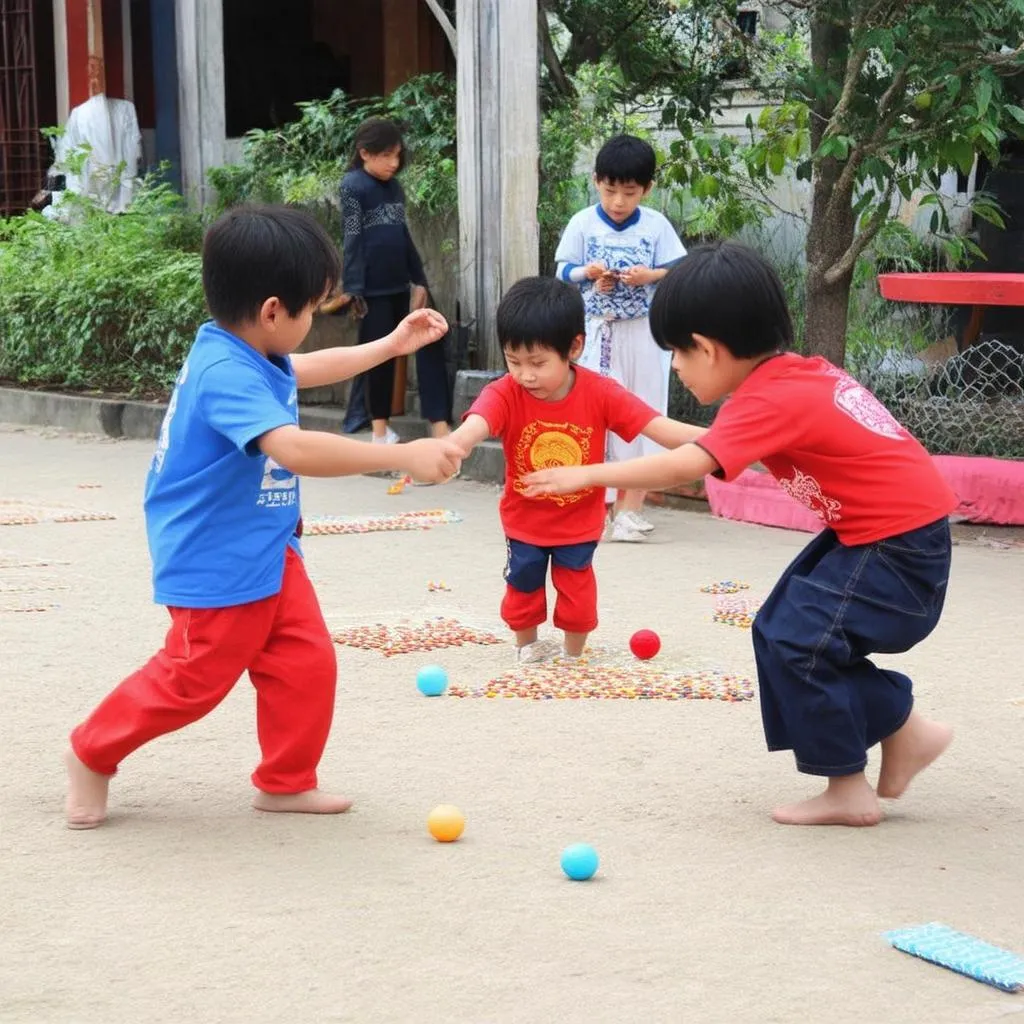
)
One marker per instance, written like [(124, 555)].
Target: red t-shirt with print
[(537, 434), (832, 446)]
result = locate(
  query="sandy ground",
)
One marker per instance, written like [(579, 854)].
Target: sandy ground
[(188, 906)]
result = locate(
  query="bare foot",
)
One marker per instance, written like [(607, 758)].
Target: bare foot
[(848, 800), (312, 801), (909, 750), (87, 794)]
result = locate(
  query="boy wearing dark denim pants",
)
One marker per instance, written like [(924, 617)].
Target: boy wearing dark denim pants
[(873, 581)]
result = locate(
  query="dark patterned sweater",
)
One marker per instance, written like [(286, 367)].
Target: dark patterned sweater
[(380, 257)]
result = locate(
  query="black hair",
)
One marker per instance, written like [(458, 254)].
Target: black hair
[(625, 159), (541, 312), (377, 135), (728, 293), (254, 252)]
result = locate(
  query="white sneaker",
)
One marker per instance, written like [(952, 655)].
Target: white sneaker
[(390, 437), (638, 522), (623, 531), (530, 654)]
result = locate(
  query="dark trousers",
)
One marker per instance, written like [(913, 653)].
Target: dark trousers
[(834, 606), (384, 313), (572, 573)]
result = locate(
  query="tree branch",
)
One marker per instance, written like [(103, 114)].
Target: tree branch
[(559, 78), (844, 186), (446, 26), (853, 69), (845, 264)]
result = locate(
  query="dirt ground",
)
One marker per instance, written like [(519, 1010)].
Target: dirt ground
[(189, 906)]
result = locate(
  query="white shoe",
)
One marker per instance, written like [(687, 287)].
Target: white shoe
[(390, 437), (623, 531), (530, 654), (637, 521)]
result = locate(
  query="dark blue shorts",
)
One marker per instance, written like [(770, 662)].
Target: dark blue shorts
[(834, 607)]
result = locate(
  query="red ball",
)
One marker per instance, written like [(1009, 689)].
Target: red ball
[(645, 644)]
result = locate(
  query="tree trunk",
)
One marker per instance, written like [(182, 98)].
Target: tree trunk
[(832, 220)]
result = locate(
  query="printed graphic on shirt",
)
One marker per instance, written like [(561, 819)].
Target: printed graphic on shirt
[(278, 486), (623, 302), (860, 405), (386, 213), (804, 488), (544, 445), (164, 441)]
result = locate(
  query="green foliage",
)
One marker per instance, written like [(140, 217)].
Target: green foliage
[(302, 162), (711, 197), (569, 128), (106, 302), (901, 94)]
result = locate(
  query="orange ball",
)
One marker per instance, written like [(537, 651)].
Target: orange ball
[(445, 823)]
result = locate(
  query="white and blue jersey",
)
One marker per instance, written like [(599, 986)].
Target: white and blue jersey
[(220, 514), (645, 239)]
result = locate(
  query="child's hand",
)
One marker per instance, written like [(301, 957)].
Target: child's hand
[(595, 270), (638, 276), (423, 327), (607, 281), (432, 460), (562, 480)]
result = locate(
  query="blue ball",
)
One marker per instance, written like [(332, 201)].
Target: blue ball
[(579, 861), (432, 680)]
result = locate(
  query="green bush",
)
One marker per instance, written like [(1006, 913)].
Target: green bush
[(105, 302), (302, 162)]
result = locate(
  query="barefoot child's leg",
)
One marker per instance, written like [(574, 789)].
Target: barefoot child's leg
[(574, 644), (908, 751), (313, 801), (205, 652), (87, 794), (295, 676), (821, 696), (848, 800)]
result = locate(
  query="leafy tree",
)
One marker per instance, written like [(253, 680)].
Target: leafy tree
[(894, 93)]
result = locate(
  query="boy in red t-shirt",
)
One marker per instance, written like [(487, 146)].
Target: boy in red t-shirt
[(874, 580), (548, 412)]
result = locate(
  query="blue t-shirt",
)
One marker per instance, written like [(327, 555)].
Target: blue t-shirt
[(220, 514)]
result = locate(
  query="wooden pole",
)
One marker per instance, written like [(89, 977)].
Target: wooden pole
[(497, 158)]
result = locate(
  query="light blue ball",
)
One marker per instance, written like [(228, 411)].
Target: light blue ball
[(579, 861), (432, 680)]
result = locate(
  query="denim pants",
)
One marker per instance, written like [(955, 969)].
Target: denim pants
[(821, 696)]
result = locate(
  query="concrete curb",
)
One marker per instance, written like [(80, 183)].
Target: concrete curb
[(140, 421)]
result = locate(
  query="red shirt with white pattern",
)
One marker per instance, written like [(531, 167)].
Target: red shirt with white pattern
[(537, 434), (832, 446)]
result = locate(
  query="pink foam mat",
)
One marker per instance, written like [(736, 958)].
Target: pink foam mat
[(990, 491)]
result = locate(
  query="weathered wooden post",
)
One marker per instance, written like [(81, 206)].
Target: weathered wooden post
[(497, 158)]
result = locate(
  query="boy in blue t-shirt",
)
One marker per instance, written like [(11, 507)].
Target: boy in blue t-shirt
[(222, 516)]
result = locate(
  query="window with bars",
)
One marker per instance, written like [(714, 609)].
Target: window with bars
[(21, 147)]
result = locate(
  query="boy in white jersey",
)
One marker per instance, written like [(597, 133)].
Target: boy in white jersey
[(617, 252)]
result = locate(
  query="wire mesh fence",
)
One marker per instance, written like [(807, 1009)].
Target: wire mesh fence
[(971, 403)]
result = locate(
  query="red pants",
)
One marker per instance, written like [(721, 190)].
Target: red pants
[(283, 643), (525, 602)]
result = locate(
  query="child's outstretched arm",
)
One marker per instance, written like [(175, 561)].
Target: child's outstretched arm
[(651, 473), (329, 365), (471, 433), (317, 453), (671, 433)]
